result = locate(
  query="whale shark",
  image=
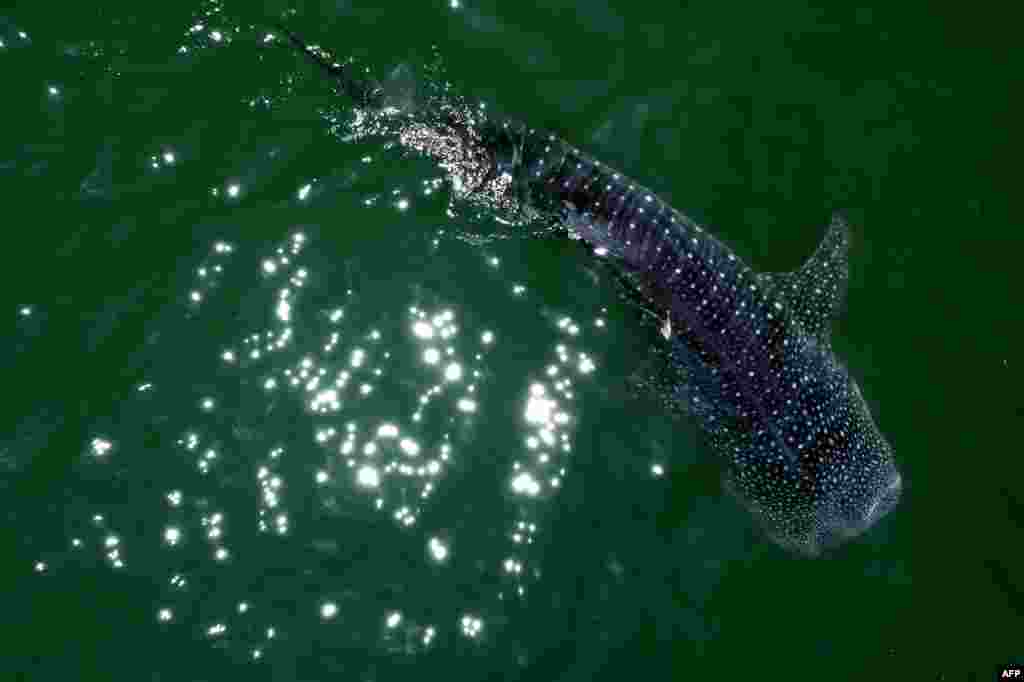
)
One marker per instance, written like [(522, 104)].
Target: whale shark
[(750, 351)]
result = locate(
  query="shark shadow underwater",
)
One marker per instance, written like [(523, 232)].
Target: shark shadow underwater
[(751, 350)]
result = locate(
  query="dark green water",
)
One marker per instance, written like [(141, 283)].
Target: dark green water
[(209, 473)]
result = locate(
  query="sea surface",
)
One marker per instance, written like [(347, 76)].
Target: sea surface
[(275, 409)]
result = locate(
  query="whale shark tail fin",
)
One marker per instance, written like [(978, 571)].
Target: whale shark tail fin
[(399, 92), (361, 88)]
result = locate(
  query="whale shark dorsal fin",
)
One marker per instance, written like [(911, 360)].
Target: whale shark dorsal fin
[(816, 291)]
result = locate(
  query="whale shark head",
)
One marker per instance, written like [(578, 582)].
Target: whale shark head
[(857, 512), (832, 485)]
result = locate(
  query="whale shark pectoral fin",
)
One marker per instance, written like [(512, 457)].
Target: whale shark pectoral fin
[(815, 292)]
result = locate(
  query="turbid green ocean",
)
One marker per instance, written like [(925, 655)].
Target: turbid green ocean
[(274, 409)]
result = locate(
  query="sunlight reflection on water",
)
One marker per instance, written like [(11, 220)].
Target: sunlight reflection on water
[(320, 426)]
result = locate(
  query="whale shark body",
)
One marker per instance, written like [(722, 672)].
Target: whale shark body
[(751, 350)]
